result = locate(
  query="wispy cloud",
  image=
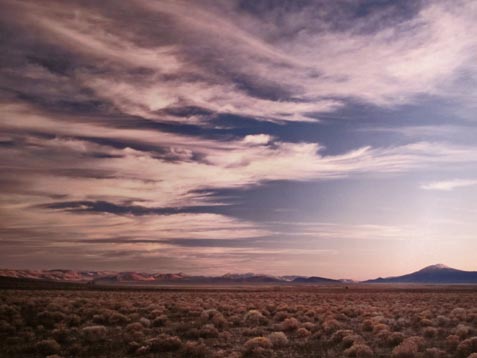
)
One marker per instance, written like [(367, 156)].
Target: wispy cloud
[(448, 185), (180, 169), (283, 71), (341, 231)]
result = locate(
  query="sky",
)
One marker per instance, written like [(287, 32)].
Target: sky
[(328, 138)]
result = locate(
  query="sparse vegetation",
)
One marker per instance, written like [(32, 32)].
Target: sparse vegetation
[(240, 322)]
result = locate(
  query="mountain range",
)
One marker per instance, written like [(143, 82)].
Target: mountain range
[(132, 277), (435, 274)]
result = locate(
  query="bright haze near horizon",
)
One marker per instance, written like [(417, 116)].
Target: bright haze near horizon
[(328, 138)]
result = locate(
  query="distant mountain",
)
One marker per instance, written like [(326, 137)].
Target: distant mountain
[(291, 277), (346, 280), (141, 278), (129, 276), (54, 275), (133, 277), (250, 277), (437, 274), (315, 279)]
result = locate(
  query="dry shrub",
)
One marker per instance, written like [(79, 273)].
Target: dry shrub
[(472, 317), (225, 336), (206, 315), (191, 333), (341, 317), (339, 335), (159, 321), (13, 341), (48, 346), (142, 350), (367, 325), (452, 342), (380, 327), (255, 317), (467, 347), (434, 353), (49, 319), (135, 326), (352, 339), (61, 334), (462, 330), (156, 312), (134, 317), (73, 320), (208, 331), (107, 316), (252, 332), (331, 325), (290, 324), (442, 321), (430, 332), (257, 346), (195, 350), (408, 348), (235, 320), (425, 322), (459, 313), (94, 333), (280, 316), (219, 321), (303, 332), (164, 343), (116, 318), (145, 322), (402, 323), (215, 317), (359, 350), (278, 339), (351, 312), (382, 337), (6, 328), (97, 318), (133, 347), (134, 332), (309, 326)]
